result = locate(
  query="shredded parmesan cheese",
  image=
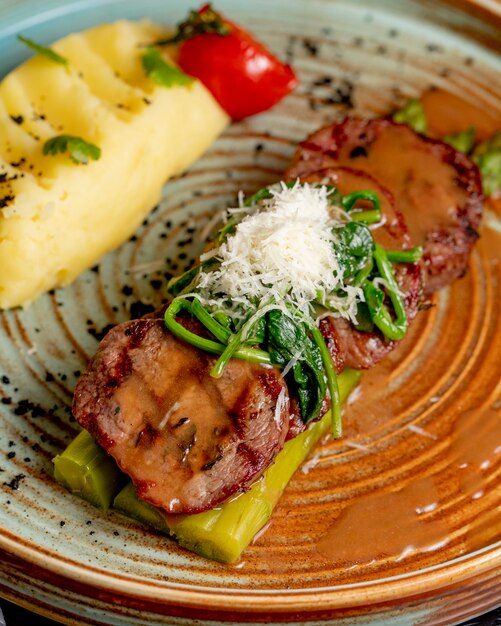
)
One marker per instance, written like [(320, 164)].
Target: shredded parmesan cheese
[(282, 252)]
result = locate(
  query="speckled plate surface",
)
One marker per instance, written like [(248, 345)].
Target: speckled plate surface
[(399, 523)]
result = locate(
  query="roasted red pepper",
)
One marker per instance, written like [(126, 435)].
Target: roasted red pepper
[(243, 76)]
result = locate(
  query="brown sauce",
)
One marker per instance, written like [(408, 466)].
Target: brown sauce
[(398, 160), (394, 525), (408, 523), (448, 114)]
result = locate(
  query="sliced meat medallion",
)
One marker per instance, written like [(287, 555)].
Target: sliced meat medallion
[(437, 188), (187, 440)]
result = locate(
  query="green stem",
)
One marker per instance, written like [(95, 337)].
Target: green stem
[(386, 271), (236, 343), (332, 381), (245, 353), (363, 274), (228, 352), (412, 255), (392, 329), (369, 217), (221, 333)]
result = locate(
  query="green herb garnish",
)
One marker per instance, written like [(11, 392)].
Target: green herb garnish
[(205, 20), (487, 155), (79, 150), (463, 141), (49, 53), (413, 115), (161, 72)]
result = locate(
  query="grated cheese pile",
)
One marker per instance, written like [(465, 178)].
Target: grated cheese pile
[(282, 253)]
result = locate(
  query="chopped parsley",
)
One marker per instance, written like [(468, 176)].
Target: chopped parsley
[(79, 150), (161, 72), (49, 53)]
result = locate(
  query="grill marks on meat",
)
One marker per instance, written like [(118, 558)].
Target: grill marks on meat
[(437, 188), (187, 440)]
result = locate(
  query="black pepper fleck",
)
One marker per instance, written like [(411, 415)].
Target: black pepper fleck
[(139, 309), (310, 47), (14, 483), (99, 334), (5, 201), (323, 81), (18, 119), (433, 47), (11, 454)]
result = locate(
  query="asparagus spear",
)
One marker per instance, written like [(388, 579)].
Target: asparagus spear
[(128, 503), (86, 470)]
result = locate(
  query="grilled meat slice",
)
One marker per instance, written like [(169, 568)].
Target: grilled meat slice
[(437, 188), (187, 440)]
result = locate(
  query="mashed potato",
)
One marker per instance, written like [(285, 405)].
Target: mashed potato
[(58, 218)]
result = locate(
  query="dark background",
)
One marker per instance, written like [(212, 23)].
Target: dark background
[(15, 616)]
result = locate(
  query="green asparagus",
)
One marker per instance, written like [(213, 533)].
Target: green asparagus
[(87, 471)]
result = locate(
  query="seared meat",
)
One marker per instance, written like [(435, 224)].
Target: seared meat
[(437, 188), (391, 232), (187, 440)]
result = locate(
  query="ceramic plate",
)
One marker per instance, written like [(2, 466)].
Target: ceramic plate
[(397, 523)]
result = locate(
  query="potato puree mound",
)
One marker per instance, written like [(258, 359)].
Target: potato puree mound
[(58, 218)]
